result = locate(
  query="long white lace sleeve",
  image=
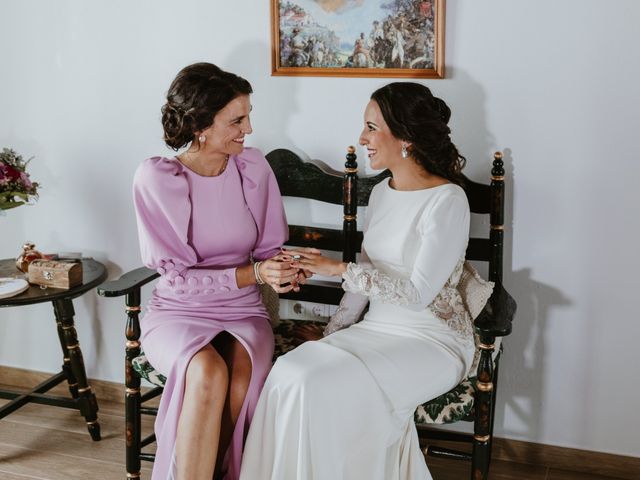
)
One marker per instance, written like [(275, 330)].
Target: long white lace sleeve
[(443, 238), (374, 284), (349, 312)]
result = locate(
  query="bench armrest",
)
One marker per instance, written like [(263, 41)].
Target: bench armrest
[(128, 282), (497, 315), (317, 291)]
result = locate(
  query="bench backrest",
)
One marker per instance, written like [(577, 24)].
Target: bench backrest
[(317, 181)]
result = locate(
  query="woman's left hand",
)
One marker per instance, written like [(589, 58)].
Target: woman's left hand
[(279, 274), (311, 259)]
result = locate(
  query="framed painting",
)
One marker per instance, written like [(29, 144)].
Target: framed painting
[(358, 38)]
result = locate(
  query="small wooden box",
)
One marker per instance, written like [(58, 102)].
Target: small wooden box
[(56, 274)]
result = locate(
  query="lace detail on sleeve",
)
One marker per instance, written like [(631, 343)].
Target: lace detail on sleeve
[(379, 286), (350, 310), (464, 292), (339, 320), (449, 307)]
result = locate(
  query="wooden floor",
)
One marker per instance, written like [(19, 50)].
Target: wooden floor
[(52, 443), (501, 470)]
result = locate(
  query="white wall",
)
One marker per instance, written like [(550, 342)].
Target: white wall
[(553, 84)]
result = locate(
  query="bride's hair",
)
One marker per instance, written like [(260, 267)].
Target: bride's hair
[(416, 116)]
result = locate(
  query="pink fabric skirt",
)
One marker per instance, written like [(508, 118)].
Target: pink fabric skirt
[(173, 331)]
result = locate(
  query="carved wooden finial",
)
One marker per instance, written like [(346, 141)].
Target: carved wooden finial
[(497, 172), (351, 165)]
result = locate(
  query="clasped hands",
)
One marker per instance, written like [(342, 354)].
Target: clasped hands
[(289, 269)]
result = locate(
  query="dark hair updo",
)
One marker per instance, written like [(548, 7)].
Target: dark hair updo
[(413, 114), (195, 96)]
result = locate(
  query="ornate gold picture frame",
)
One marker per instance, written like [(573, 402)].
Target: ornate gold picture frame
[(358, 38)]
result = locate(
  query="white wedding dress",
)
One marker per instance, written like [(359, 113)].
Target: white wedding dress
[(342, 408)]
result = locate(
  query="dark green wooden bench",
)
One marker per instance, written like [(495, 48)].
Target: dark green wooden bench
[(473, 400)]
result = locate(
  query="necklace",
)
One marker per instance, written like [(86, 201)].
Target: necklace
[(224, 166), (188, 162)]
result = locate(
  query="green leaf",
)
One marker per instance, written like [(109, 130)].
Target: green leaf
[(24, 196), (8, 205)]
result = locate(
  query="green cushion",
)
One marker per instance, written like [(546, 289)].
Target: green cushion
[(283, 335), (453, 406), (146, 370), (450, 407)]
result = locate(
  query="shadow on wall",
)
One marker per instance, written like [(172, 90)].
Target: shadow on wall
[(274, 98), (97, 352), (467, 100), (521, 393)]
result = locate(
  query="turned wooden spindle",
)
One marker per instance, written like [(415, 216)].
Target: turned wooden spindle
[(350, 202)]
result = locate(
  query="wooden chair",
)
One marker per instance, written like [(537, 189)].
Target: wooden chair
[(315, 180)]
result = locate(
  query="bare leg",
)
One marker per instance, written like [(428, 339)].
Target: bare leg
[(239, 365), (198, 433)]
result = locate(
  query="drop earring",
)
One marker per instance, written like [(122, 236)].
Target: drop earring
[(202, 139), (404, 152)]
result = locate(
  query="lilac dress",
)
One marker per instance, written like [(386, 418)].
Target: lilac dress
[(195, 231)]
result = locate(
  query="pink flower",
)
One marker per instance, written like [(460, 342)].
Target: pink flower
[(11, 173), (25, 179), (16, 187)]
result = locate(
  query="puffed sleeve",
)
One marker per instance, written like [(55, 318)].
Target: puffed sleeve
[(163, 211), (444, 233), (263, 198)]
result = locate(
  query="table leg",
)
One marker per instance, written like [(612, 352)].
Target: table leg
[(85, 397), (66, 365)]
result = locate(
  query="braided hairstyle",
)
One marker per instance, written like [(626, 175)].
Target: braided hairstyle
[(195, 96), (415, 115)]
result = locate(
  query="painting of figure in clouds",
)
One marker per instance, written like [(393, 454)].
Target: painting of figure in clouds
[(377, 38)]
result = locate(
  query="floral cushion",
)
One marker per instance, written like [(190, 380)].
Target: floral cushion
[(146, 370), (283, 334), (450, 407)]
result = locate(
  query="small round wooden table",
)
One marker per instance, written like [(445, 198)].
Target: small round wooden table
[(73, 371)]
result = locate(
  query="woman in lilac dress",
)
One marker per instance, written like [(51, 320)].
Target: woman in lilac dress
[(204, 217)]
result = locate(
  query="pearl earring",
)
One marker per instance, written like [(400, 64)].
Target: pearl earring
[(405, 154), (202, 139)]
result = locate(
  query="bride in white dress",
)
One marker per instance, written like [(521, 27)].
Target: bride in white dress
[(341, 408)]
